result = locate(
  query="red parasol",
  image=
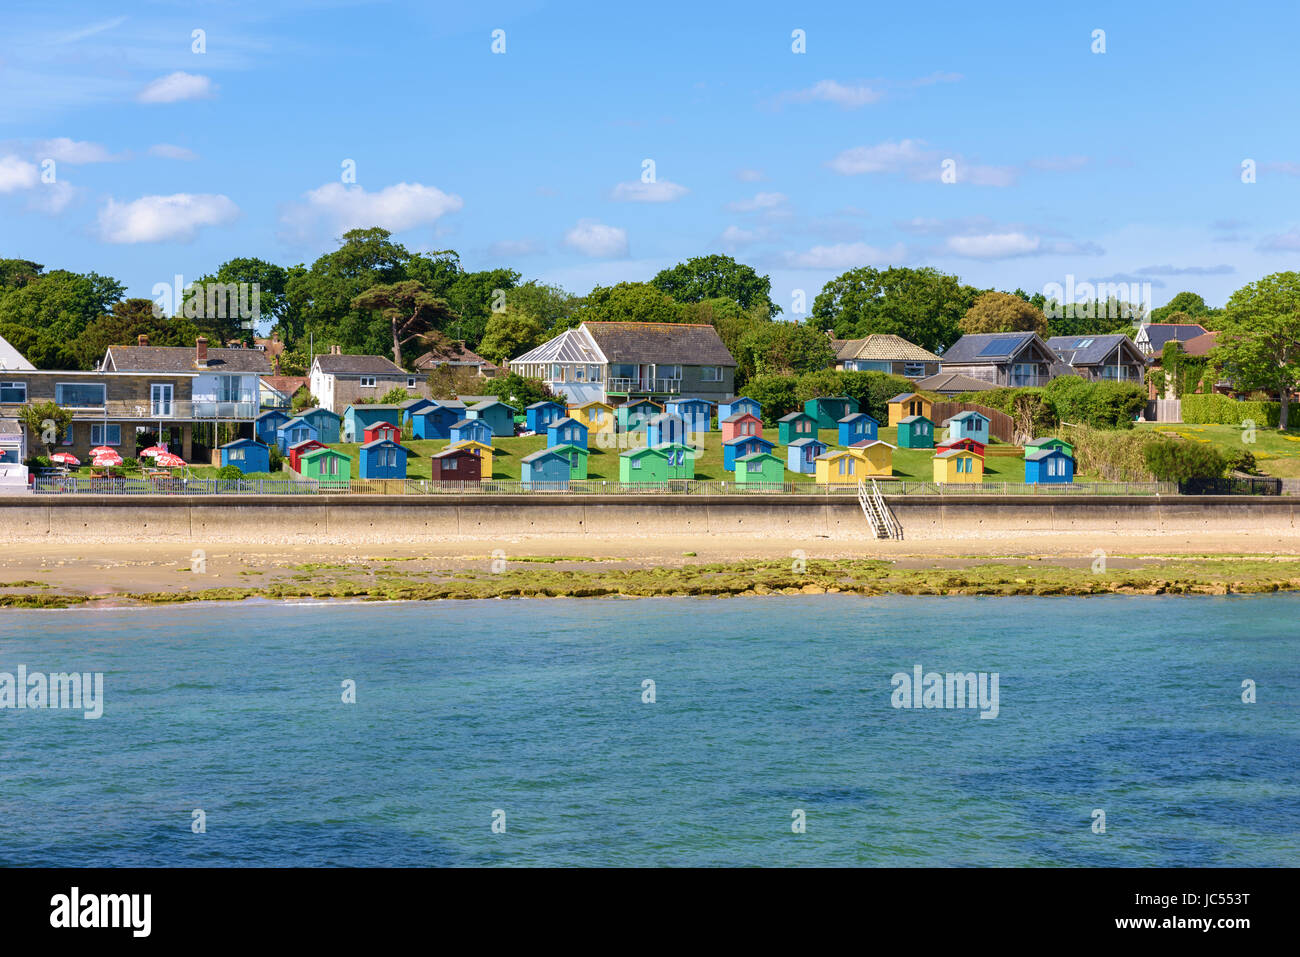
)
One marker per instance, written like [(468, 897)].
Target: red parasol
[(165, 460), (66, 458), (153, 450), (106, 459)]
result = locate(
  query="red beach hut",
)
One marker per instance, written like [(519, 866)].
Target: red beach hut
[(296, 452), (383, 430), (455, 465)]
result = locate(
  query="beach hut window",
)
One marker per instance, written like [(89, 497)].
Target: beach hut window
[(636, 463), (236, 455), (573, 459), (754, 466), (450, 464)]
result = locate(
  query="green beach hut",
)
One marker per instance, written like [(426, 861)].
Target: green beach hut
[(796, 425), (577, 457), (1051, 442), (659, 464), (915, 432), (759, 468), (326, 465)]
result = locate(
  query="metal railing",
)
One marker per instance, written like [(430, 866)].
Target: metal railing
[(647, 385)]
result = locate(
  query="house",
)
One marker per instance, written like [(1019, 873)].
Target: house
[(740, 424), (410, 407), (383, 458), (760, 468), (277, 391), (958, 466), (567, 431), (1151, 337), (733, 449), (267, 425), (577, 457), (696, 412), (857, 426), (435, 422), (358, 418), (382, 430), (296, 452), (950, 383), (326, 422), (839, 467), (877, 456), (633, 414), (618, 361), (247, 455), (666, 428), (915, 432), (969, 445), (829, 409), (1048, 466), (795, 425), (1002, 358), (647, 465), (882, 352), (596, 416), (295, 431), (1200, 345), (326, 465), (11, 360), (1112, 357), (454, 464), (472, 430), (544, 466), (737, 405), (484, 453), (539, 415), (1051, 442), (338, 381), (499, 416), (968, 425), (454, 354), (801, 455), (908, 403)]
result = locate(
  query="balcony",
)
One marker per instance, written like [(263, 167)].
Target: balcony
[(644, 386), (1027, 381), (176, 409)]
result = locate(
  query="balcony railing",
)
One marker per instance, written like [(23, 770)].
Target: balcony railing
[(646, 385), (175, 409), (1027, 381)]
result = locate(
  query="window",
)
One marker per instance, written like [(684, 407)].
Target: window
[(79, 395), (710, 373), (866, 365), (228, 388), (13, 391), (579, 373), (105, 434), (410, 382), (160, 399), (367, 382), (636, 463), (669, 372), (67, 435), (754, 466), (623, 371), (914, 370), (573, 459), (234, 455), (450, 464)]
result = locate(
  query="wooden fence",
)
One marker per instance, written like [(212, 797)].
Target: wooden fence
[(1001, 425)]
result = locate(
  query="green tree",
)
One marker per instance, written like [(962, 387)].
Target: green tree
[(270, 282), (1003, 312), (629, 302), (45, 423), (784, 348), (717, 277), (1260, 345), (924, 306), (56, 306), (517, 391), (408, 310), (509, 334)]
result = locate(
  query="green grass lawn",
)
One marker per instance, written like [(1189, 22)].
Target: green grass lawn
[(1276, 453)]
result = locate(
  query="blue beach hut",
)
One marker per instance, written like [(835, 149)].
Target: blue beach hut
[(411, 406), (295, 431), (666, 428), (499, 416), (566, 431), (544, 465), (325, 421), (857, 427), (1049, 466), (801, 455), (969, 425), (247, 455), (383, 459), (434, 422), (741, 403), (744, 445), (695, 412), (472, 430), (358, 418), (267, 425), (539, 415)]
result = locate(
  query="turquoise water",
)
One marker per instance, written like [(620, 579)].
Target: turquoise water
[(763, 706)]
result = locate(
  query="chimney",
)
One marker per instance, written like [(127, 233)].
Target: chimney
[(201, 351), (336, 350), (142, 339)]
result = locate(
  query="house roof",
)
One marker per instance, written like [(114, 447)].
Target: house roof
[(285, 384), (989, 348), (1200, 345), (740, 398), (1091, 350), (572, 345), (835, 398), (883, 347), (453, 353), (673, 343), (1158, 333), (588, 404), (184, 359), (11, 360), (952, 383), (1043, 441), (346, 365), (471, 444), (690, 399), (382, 425)]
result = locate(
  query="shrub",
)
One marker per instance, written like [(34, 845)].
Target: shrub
[(1213, 409), (775, 392), (1113, 455), (1177, 460), (873, 390), (276, 462), (1101, 405), (1241, 460), (230, 472)]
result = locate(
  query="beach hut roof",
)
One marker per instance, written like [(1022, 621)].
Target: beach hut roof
[(1038, 454), (315, 443), (322, 450), (908, 420), (371, 406), (450, 451), (644, 450), (792, 416), (460, 423), (591, 402), (834, 454), (949, 453), (740, 415), (800, 443), (748, 438), (542, 454), (378, 442), (854, 416), (544, 403), (680, 400), (904, 396), (470, 444), (243, 442), (968, 414), (754, 456), (488, 403), (566, 421), (568, 449), (869, 443)]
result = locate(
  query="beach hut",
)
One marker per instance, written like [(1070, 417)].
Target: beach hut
[(454, 464), (412, 406), (358, 418), (696, 412), (596, 416), (968, 425), (666, 428), (743, 445), (1048, 466), (741, 403), (566, 431), (877, 456), (499, 416), (544, 466), (382, 459), (969, 444), (266, 427), (915, 432), (796, 425), (761, 468), (295, 431), (839, 467), (801, 455), (484, 453), (246, 455), (383, 430), (739, 425), (829, 409), (632, 415), (958, 465), (577, 457), (908, 404), (539, 415), (326, 465), (1052, 442), (326, 423), (857, 427), (471, 430), (296, 452), (434, 422), (681, 460), (656, 465)]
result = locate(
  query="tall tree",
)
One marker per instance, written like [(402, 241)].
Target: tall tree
[(1003, 312), (408, 309), (1260, 346), (923, 305), (629, 302), (717, 277), (57, 306)]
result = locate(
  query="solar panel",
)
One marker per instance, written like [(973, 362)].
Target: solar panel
[(1000, 347)]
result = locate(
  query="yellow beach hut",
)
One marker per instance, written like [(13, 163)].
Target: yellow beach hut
[(906, 404), (484, 452), (595, 415), (958, 465), (839, 467), (877, 456)]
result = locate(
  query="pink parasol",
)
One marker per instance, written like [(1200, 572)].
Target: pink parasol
[(65, 458), (106, 459), (153, 450), (165, 460), (102, 450)]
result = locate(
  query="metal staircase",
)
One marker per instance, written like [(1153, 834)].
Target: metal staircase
[(877, 512)]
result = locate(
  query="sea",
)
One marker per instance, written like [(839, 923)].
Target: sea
[(776, 731)]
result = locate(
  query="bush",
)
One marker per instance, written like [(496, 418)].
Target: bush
[(1101, 404), (1213, 409), (873, 390), (276, 459), (1241, 460), (1177, 460), (1114, 456), (776, 393), (230, 472)]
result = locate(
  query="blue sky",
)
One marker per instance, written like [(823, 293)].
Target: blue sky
[(1117, 166)]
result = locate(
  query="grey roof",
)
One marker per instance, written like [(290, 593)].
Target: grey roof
[(566, 421), (740, 415), (488, 403), (914, 418), (1158, 333), (543, 404), (461, 423), (901, 397), (1090, 350), (539, 454), (358, 365), (673, 343), (1044, 453), (184, 359), (807, 441), (418, 400), (987, 348), (792, 416), (953, 383)]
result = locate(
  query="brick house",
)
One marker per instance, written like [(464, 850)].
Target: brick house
[(338, 380)]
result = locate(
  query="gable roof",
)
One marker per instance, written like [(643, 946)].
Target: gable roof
[(671, 343), (968, 414), (345, 365), (953, 383), (749, 438), (285, 384), (908, 420), (795, 416), (949, 453), (991, 348), (11, 360), (544, 403), (184, 359), (453, 353), (808, 440), (1091, 350), (1158, 333), (565, 422), (542, 454), (882, 347), (377, 442), (904, 396), (572, 345), (451, 450), (1045, 453), (1200, 345)]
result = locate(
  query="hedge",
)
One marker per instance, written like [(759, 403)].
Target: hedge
[(1210, 408)]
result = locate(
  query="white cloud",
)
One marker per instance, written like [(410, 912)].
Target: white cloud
[(903, 156), (1222, 269), (74, 152), (994, 245), (16, 174), (1285, 167), (335, 208), (53, 198), (842, 256), (736, 237), (153, 219), (660, 191), (758, 201), (175, 87), (595, 239), (169, 151), (829, 91)]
